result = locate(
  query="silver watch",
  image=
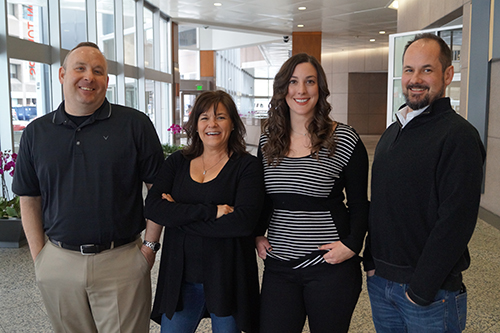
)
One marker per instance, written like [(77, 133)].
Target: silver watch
[(155, 246)]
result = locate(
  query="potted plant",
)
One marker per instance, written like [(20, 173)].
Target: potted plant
[(169, 149), (11, 229)]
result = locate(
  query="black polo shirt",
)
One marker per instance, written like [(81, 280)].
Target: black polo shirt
[(90, 177)]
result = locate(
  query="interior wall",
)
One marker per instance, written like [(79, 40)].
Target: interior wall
[(367, 102), (421, 14), (337, 67), (491, 197)]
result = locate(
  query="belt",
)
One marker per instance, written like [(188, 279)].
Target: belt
[(89, 249)]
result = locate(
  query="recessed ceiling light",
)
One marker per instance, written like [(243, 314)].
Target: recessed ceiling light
[(372, 40), (217, 4), (300, 25), (302, 8), (381, 32)]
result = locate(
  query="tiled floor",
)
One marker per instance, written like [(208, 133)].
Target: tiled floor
[(22, 310)]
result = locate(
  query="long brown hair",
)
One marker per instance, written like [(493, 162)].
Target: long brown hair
[(277, 127), (205, 101)]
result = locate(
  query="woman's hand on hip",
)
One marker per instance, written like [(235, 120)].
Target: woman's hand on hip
[(337, 252), (262, 245)]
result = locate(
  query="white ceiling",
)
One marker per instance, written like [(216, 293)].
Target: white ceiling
[(345, 24)]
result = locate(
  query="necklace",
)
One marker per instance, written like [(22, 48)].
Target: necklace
[(203, 161), (304, 134)]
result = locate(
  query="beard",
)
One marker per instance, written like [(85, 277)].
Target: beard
[(425, 100)]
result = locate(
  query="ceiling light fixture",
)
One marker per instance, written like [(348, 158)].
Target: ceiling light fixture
[(302, 8), (217, 4), (382, 32), (372, 40), (300, 25), (394, 5)]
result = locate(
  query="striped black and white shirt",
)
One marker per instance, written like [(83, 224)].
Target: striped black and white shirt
[(307, 197)]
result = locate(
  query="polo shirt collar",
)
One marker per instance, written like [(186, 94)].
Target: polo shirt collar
[(103, 112)]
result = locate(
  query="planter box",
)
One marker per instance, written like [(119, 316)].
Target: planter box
[(11, 233)]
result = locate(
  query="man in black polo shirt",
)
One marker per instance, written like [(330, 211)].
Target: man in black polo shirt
[(80, 174)]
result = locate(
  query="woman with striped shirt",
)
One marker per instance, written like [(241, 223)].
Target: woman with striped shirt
[(311, 164)]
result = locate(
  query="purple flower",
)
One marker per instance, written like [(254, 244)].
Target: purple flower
[(7, 164), (175, 129)]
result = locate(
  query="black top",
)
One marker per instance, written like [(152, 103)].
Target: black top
[(305, 206), (425, 193), (227, 244), (90, 177)]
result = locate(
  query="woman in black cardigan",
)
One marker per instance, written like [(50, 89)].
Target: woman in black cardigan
[(208, 197)]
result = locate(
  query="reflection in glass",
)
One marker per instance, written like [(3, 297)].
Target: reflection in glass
[(73, 23), (30, 94), (106, 28), (28, 21), (129, 32), (148, 39)]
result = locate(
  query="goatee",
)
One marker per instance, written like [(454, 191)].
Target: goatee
[(426, 99)]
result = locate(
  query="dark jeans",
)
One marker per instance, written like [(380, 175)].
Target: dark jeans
[(187, 320), (393, 312), (325, 293)]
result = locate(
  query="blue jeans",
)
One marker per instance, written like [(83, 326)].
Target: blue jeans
[(393, 312), (187, 320)]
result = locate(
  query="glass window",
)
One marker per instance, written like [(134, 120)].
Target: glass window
[(188, 37), (106, 27), (28, 21), (131, 93), (263, 87), (111, 92), (12, 10), (165, 113), (164, 45), (14, 71), (129, 32), (454, 40), (453, 92), (148, 39), (399, 46), (73, 23), (399, 98), (30, 94), (150, 99), (189, 64)]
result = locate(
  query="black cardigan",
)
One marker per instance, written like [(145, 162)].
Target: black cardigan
[(228, 250)]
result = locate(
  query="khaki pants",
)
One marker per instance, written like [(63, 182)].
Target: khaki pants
[(107, 292)]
